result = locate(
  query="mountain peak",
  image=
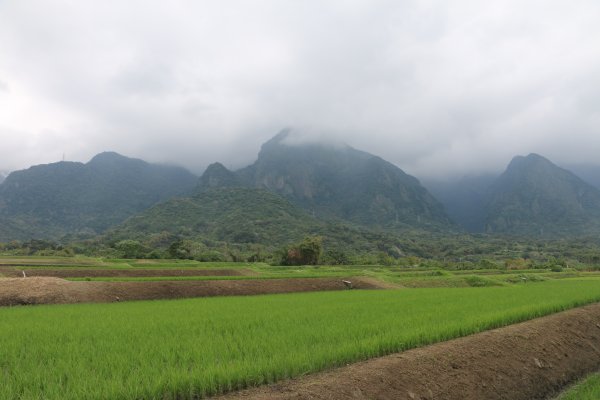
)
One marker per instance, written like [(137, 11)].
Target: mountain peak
[(534, 195), (217, 175), (338, 181), (528, 161), (108, 157), (275, 141)]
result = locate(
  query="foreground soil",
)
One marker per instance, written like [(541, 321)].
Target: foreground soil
[(46, 290), (93, 273), (530, 360)]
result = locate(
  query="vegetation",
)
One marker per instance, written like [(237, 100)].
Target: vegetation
[(344, 246), (308, 252), (588, 389), (49, 201), (188, 348), (234, 215)]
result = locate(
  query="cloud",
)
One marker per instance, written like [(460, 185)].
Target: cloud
[(436, 88)]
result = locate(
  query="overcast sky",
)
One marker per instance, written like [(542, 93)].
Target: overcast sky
[(436, 87)]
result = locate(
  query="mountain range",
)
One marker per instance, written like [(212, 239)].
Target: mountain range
[(350, 197), (293, 189)]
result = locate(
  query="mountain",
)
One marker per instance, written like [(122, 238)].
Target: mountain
[(50, 200), (3, 176), (338, 182), (217, 176), (236, 215), (535, 197), (294, 190), (241, 216)]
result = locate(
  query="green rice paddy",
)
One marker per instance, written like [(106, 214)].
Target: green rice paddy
[(185, 349)]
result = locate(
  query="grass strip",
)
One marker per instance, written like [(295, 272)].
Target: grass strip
[(588, 389)]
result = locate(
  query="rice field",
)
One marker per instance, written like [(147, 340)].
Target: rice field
[(186, 349), (588, 389)]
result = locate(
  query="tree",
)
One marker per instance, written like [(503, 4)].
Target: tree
[(131, 249), (307, 252)]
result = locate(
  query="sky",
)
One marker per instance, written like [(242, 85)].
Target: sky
[(439, 88)]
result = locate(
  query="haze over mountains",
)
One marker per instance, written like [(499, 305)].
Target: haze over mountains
[(589, 173), (292, 189)]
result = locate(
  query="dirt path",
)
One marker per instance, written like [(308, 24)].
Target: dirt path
[(530, 360), (44, 290)]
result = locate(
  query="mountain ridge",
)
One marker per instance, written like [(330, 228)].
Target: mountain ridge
[(51, 200)]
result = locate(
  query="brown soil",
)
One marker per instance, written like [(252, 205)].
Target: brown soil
[(93, 273), (45, 290), (530, 360)]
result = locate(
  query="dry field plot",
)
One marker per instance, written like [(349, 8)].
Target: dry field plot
[(44, 290), (130, 272)]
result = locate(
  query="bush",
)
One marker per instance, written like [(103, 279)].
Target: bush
[(308, 252)]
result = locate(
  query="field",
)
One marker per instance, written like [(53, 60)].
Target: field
[(197, 347)]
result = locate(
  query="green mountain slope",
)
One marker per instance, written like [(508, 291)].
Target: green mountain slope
[(68, 197), (535, 197), (234, 215), (337, 181), (241, 216)]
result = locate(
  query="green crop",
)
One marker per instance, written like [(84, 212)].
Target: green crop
[(185, 349), (588, 389)]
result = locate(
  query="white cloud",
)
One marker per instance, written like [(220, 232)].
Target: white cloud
[(435, 87)]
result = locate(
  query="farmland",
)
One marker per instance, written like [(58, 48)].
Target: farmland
[(200, 347)]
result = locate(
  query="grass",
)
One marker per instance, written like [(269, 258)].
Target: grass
[(588, 389), (197, 347), (410, 277)]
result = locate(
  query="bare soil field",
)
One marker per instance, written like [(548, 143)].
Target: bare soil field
[(45, 261), (129, 272), (49, 290), (530, 360)]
